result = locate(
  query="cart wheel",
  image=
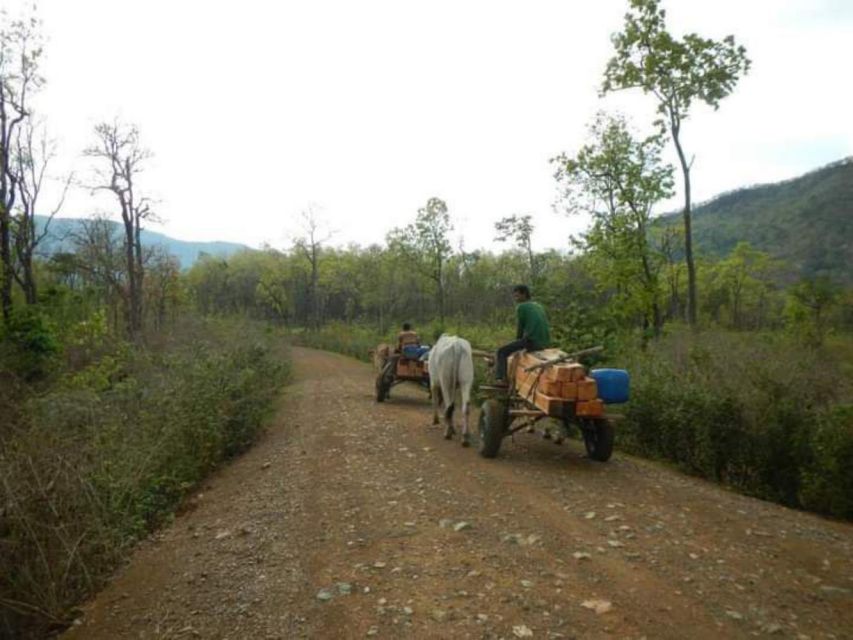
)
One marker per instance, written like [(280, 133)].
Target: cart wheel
[(384, 380), (492, 427), (598, 437), (380, 388)]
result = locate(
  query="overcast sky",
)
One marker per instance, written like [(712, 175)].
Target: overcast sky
[(254, 109)]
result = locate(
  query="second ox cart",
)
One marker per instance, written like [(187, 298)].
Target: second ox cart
[(552, 384)]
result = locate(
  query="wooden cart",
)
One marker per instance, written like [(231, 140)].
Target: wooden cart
[(546, 384), (398, 369)]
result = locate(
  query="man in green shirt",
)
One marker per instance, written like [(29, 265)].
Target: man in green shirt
[(532, 333)]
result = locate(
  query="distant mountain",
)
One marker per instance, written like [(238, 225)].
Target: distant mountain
[(806, 221), (63, 229)]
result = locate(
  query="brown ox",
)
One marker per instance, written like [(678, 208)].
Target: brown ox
[(380, 355)]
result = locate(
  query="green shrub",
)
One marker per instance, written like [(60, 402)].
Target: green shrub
[(30, 343), (351, 340), (755, 412), (98, 461), (827, 482)]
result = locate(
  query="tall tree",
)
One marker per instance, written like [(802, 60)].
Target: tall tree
[(20, 53), (426, 244), (519, 229), (310, 246), (677, 72), (33, 154), (617, 179), (120, 158)]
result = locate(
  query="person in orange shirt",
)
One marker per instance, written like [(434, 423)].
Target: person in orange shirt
[(406, 337)]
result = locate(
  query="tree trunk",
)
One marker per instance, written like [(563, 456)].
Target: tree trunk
[(140, 273), (30, 291), (688, 234), (7, 274), (132, 293)]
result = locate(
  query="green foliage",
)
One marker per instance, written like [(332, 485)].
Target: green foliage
[(425, 246), (807, 309), (827, 483), (94, 464), (30, 343), (677, 72), (351, 340), (755, 412), (740, 290), (617, 179), (519, 230)]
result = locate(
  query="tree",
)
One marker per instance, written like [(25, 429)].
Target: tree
[(519, 229), (426, 245), (20, 53), (33, 154), (617, 179), (120, 158), (807, 307), (310, 246), (743, 278), (667, 239), (162, 284), (98, 256), (677, 73)]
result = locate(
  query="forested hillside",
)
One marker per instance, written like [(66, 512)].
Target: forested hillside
[(62, 233), (806, 222)]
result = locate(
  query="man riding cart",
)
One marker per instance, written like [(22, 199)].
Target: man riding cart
[(406, 364), (548, 383), (532, 333)]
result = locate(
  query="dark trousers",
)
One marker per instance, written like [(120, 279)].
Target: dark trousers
[(505, 352)]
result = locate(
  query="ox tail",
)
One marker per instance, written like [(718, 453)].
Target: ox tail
[(451, 380)]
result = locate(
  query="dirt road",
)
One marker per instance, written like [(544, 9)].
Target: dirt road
[(353, 519)]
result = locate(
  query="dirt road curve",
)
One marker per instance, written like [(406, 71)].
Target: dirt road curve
[(352, 519)]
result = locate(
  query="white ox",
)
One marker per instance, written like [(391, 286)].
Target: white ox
[(450, 367)]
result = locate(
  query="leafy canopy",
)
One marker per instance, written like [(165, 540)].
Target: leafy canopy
[(676, 71)]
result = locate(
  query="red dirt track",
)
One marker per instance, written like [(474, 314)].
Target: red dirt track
[(342, 523)]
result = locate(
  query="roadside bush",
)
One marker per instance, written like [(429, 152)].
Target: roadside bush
[(827, 483), (99, 461), (351, 340), (755, 412), (29, 343)]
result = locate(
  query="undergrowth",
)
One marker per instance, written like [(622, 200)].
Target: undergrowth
[(94, 463)]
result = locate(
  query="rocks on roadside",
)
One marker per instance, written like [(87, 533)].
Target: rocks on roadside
[(439, 615), (447, 523), (521, 539), (599, 606)]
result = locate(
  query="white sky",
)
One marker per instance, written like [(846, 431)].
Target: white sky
[(255, 109)]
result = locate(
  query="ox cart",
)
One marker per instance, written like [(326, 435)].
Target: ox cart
[(552, 384), (397, 369)]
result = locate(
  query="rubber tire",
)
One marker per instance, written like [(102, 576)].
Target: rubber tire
[(598, 436), (492, 427), (381, 388)]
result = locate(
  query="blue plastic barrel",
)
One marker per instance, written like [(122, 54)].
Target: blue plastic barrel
[(613, 385)]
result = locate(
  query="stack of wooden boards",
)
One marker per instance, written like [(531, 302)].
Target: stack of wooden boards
[(408, 368), (558, 390)]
